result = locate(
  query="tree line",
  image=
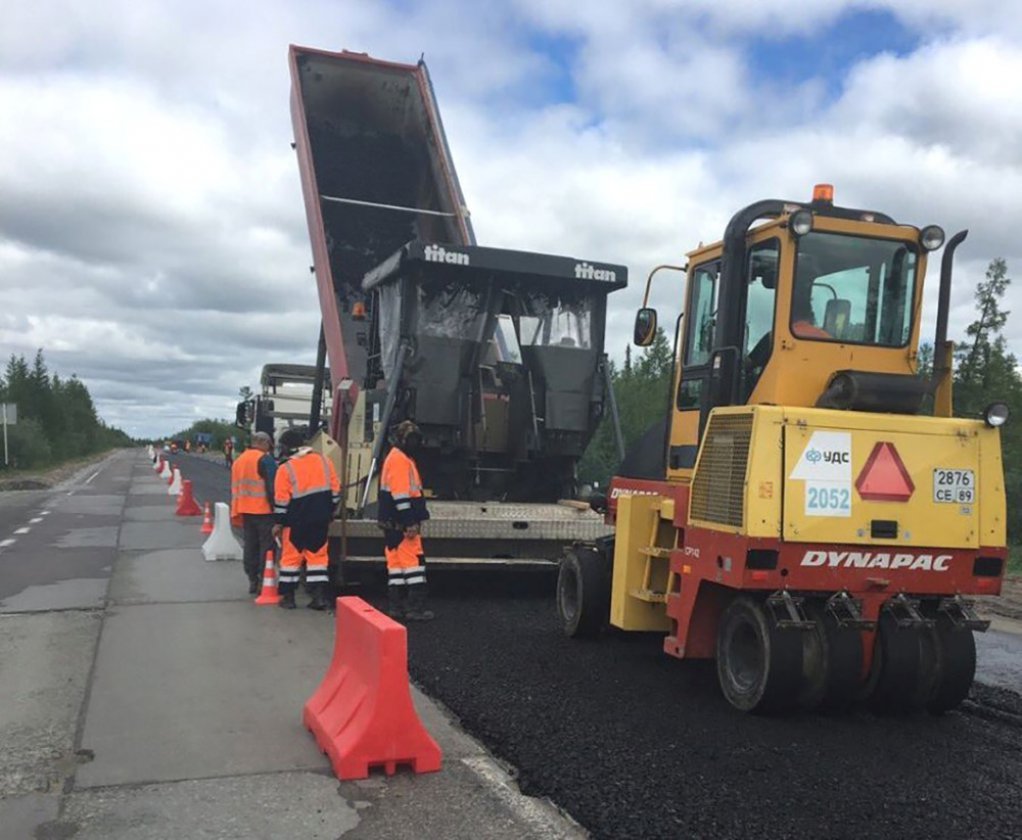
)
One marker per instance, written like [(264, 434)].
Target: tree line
[(57, 419), (985, 371)]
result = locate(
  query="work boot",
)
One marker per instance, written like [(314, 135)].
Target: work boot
[(395, 602), (319, 600), (417, 604), (253, 586), (287, 600)]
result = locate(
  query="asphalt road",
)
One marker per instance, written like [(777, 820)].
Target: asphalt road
[(634, 744), (57, 546)]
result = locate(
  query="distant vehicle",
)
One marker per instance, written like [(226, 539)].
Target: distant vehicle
[(286, 400)]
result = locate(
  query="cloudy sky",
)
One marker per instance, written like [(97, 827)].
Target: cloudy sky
[(152, 233)]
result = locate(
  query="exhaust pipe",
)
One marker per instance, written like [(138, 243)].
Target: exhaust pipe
[(941, 360)]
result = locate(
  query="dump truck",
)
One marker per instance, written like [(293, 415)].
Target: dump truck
[(813, 516), (497, 354)]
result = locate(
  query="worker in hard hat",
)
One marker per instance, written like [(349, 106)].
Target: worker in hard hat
[(252, 488), (306, 492), (402, 510)]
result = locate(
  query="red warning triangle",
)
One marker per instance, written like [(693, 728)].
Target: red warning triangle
[(884, 478)]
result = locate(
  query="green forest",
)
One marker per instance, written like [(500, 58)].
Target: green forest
[(57, 420), (985, 372)]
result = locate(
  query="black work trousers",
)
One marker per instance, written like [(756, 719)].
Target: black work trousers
[(258, 531)]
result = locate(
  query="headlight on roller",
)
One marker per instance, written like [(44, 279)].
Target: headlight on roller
[(801, 222), (996, 414), (931, 237)]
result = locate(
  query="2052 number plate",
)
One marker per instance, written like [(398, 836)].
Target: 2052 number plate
[(957, 487)]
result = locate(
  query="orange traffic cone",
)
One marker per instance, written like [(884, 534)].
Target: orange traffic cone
[(269, 596), (207, 520)]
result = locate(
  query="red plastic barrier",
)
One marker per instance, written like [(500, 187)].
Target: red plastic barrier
[(362, 715), (186, 505)]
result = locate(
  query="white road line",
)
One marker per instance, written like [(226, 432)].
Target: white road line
[(7, 542), (44, 513), (22, 530), (70, 492), (36, 520), (89, 479)]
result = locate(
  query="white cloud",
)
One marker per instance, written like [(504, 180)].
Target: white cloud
[(152, 235)]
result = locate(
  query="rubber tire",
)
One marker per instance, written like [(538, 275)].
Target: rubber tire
[(896, 667), (831, 662), (772, 659), (583, 592), (956, 655)]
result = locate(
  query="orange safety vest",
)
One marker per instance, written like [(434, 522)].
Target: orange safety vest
[(305, 476), (401, 501), (804, 329), (248, 488)]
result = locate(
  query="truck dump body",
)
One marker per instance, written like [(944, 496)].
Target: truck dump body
[(376, 172), (497, 355)]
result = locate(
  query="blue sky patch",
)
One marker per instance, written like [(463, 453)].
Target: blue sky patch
[(828, 55)]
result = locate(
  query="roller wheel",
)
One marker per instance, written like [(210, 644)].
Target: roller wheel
[(897, 667), (831, 662), (583, 592), (956, 657), (758, 666)]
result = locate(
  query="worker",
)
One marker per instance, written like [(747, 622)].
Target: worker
[(306, 492), (229, 451), (402, 510), (252, 487), (803, 322)]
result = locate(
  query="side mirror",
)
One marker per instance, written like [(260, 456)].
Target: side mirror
[(645, 326)]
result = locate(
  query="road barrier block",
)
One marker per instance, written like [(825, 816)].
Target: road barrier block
[(221, 544), (166, 473), (175, 483), (362, 714)]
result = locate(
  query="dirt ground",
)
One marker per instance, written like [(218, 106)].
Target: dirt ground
[(1009, 603)]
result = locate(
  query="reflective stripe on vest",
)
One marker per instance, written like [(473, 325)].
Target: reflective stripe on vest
[(297, 492)]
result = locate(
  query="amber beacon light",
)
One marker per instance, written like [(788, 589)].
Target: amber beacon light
[(824, 193)]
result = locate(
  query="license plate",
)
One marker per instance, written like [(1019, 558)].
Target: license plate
[(957, 487)]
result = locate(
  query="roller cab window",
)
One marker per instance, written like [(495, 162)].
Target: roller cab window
[(853, 290)]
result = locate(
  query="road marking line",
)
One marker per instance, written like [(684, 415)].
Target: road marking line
[(44, 513), (89, 479), (7, 542), (22, 530), (36, 520), (70, 492)]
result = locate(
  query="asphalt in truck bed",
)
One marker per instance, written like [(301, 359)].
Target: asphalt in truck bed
[(633, 743)]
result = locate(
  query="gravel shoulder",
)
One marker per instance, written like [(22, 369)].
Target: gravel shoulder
[(50, 477)]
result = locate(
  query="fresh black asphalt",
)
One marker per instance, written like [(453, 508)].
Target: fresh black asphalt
[(635, 744)]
